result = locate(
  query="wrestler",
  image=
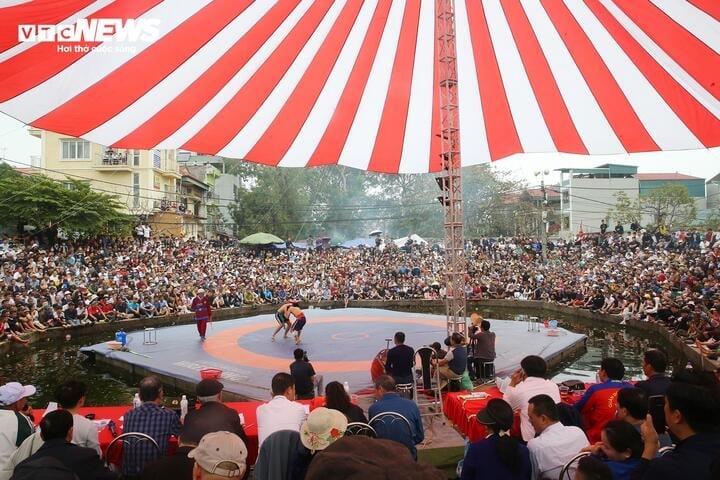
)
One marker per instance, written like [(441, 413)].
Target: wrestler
[(283, 319), (299, 322)]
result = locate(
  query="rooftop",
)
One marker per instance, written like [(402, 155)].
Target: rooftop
[(665, 176)]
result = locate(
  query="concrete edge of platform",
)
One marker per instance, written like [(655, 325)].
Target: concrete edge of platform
[(692, 354)]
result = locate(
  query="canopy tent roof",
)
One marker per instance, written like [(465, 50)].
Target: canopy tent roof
[(400, 242), (314, 82), (261, 238)]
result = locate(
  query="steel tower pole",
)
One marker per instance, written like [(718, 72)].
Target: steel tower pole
[(450, 180)]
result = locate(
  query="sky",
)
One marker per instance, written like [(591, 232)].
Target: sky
[(17, 145)]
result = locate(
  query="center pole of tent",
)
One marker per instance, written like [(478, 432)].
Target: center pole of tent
[(450, 180)]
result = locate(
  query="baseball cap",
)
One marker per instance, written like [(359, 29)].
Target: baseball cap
[(219, 447), (14, 391), (208, 387)]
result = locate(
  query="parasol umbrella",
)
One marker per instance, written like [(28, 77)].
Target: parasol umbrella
[(261, 238), (375, 232)]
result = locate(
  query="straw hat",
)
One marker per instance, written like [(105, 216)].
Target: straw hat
[(322, 427)]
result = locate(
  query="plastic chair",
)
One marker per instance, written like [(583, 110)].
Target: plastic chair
[(393, 426), (427, 387), (360, 428), (665, 450), (570, 465), (132, 445)]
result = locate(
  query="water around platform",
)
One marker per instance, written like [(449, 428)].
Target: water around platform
[(50, 361)]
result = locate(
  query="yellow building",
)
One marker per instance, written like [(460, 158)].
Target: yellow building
[(147, 183)]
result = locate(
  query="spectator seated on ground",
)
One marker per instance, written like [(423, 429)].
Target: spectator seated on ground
[(599, 403)]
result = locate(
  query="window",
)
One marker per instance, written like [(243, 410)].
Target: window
[(136, 158), (74, 149), (136, 189)]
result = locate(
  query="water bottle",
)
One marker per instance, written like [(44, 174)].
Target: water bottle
[(183, 407), (346, 385), (121, 337), (136, 401)]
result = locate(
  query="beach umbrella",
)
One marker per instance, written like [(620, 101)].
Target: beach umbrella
[(261, 238), (375, 232), (308, 83)]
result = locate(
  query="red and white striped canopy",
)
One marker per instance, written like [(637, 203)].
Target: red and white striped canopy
[(351, 82)]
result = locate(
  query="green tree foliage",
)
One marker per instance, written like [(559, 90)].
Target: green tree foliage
[(52, 205), (626, 211), (488, 210), (670, 205)]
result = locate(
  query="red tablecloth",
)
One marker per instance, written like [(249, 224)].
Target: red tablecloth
[(461, 411), (246, 408)]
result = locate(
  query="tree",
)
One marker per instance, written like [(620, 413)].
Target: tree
[(625, 211), (670, 205), (51, 205)]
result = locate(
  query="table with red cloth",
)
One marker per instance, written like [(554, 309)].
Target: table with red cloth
[(114, 413), (461, 410)]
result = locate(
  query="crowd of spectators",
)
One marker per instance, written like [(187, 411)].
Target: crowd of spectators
[(671, 280)]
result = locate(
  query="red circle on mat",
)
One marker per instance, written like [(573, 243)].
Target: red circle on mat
[(224, 346)]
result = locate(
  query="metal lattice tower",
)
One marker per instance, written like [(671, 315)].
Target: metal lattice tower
[(449, 180)]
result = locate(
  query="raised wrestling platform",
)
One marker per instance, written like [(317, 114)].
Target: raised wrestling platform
[(341, 344)]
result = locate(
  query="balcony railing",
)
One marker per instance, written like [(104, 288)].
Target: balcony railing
[(114, 158)]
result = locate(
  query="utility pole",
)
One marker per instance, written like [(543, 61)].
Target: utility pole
[(543, 214)]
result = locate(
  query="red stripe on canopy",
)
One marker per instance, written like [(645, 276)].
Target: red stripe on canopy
[(278, 138), (553, 107), (182, 108), (157, 63), (332, 142), (219, 131), (613, 102), (42, 61), (711, 7), (694, 56), (704, 125), (387, 151), (502, 135), (39, 12)]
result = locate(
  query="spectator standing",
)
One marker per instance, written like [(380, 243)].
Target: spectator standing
[(151, 419), (282, 412), (400, 360), (483, 341), (525, 383), (203, 312), (388, 400), (555, 443), (303, 373), (498, 456), (599, 403), (15, 427)]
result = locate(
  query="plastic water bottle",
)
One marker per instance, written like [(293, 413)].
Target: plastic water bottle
[(121, 337), (136, 401), (346, 385), (183, 407)]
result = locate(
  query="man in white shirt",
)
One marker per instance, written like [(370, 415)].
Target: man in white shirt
[(71, 396), (555, 443), (529, 380), (282, 412)]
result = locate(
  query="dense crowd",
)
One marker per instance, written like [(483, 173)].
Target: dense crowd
[(672, 279)]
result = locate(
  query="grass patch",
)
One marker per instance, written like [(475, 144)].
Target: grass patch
[(444, 459)]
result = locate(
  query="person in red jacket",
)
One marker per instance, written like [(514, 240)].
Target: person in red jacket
[(203, 312), (599, 404)]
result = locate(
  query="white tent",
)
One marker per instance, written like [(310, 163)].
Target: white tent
[(400, 242)]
